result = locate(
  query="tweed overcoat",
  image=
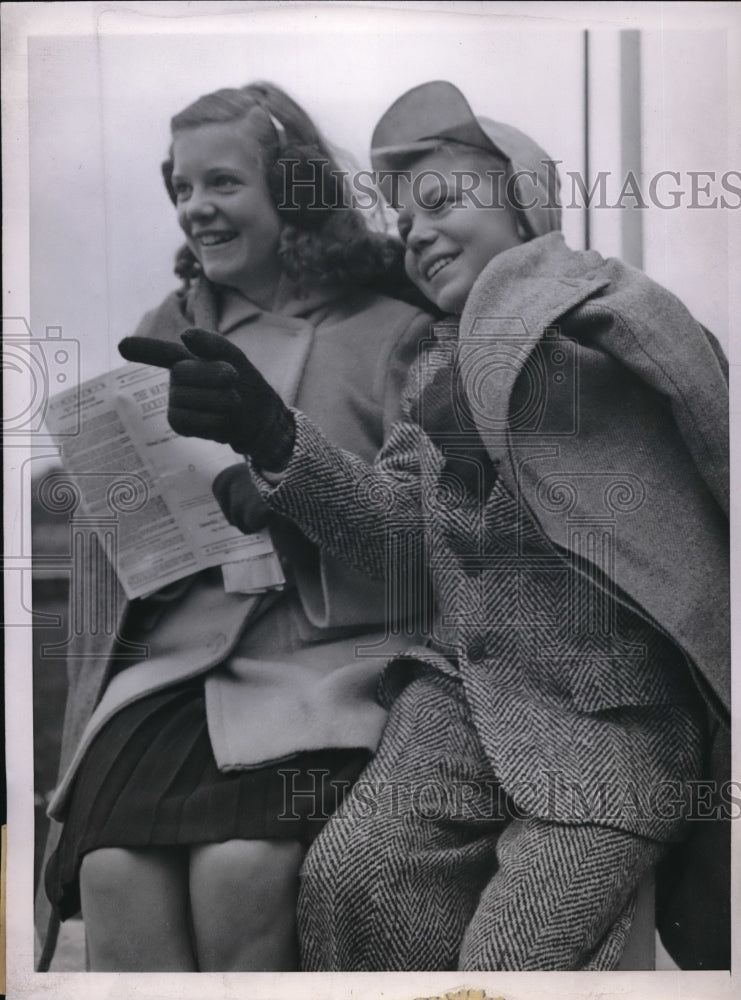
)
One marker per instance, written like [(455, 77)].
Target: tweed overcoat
[(604, 407), (298, 684)]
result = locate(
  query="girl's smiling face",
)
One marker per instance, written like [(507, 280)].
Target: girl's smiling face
[(449, 238), (225, 209)]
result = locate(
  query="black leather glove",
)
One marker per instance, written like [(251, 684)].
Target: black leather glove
[(218, 394), (239, 499)]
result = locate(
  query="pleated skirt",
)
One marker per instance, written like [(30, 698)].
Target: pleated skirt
[(149, 778)]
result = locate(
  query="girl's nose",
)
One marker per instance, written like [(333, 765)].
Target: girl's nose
[(198, 206)]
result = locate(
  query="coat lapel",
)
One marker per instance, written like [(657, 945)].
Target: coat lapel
[(278, 346), (277, 342), (507, 328)]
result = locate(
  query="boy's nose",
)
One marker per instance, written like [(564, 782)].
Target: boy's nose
[(420, 235)]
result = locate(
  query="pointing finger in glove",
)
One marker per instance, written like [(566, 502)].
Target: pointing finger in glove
[(217, 393), (215, 347), (148, 351)]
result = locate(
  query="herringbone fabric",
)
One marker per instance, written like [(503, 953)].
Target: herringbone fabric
[(390, 888), (562, 898), (567, 698), (570, 595), (569, 687), (427, 865)]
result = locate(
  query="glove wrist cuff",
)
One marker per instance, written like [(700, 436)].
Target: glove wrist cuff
[(272, 447)]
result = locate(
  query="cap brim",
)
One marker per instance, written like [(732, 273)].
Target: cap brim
[(420, 119)]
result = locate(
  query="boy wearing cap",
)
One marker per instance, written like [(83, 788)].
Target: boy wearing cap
[(558, 448)]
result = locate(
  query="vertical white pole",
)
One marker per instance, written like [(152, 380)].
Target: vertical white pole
[(631, 140)]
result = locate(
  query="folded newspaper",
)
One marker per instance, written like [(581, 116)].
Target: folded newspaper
[(128, 464)]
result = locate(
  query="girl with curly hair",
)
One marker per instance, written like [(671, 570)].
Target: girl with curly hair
[(194, 779)]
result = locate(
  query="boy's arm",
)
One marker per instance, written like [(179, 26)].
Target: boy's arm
[(352, 509), (355, 510)]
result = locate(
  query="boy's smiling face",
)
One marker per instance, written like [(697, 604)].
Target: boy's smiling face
[(449, 237)]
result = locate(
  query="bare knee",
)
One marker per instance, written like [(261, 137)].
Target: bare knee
[(135, 908), (107, 873), (243, 901), (259, 864)]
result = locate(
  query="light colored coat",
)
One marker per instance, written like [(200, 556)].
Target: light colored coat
[(307, 662)]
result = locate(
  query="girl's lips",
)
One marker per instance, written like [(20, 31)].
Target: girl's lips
[(214, 239)]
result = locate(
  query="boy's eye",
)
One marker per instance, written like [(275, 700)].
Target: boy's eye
[(435, 197), (181, 189), (449, 200)]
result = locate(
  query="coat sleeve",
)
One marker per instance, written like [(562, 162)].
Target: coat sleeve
[(337, 588), (358, 512), (682, 361)]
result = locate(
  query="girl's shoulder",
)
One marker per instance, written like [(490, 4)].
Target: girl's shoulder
[(169, 313), (376, 322), (194, 306), (397, 300)]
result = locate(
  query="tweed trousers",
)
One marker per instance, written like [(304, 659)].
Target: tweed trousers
[(427, 865)]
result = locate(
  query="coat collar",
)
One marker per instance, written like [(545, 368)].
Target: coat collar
[(536, 282), (524, 292), (278, 340), (229, 310), (518, 296)]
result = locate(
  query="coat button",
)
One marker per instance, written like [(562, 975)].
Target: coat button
[(476, 651)]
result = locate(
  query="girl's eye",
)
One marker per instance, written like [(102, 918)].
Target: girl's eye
[(225, 182)]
